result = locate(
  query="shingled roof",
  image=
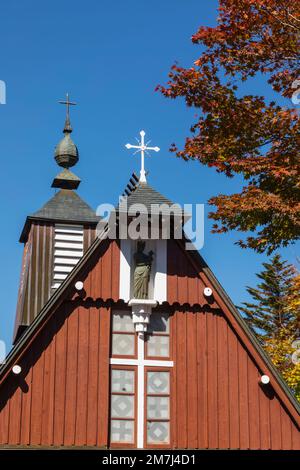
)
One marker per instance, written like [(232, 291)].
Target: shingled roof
[(65, 206), (144, 194)]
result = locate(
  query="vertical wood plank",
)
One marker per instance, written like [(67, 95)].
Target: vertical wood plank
[(82, 377), (106, 262), (71, 378), (275, 419), (174, 332), (60, 378), (295, 437), (223, 385), (4, 418), (233, 377), (253, 378), (48, 431), (243, 398), (181, 379), (192, 396), (26, 400), (93, 374), (103, 394), (37, 392), (48, 262), (202, 380), (115, 274), (46, 383), (15, 413), (264, 417), (171, 270), (286, 430), (212, 381), (182, 278)]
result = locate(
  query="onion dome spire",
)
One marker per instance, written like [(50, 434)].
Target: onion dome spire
[(66, 154)]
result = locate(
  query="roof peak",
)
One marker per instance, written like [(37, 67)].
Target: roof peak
[(65, 206)]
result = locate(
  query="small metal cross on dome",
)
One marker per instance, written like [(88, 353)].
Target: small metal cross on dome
[(143, 148), (68, 103)]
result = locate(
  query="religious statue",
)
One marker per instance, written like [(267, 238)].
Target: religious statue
[(142, 271)]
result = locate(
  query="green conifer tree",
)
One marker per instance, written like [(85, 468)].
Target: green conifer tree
[(268, 314), (273, 315)]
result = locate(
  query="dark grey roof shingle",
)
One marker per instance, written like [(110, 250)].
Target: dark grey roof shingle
[(66, 205), (146, 195)]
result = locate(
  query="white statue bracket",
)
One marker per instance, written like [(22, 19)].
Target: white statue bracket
[(141, 311)]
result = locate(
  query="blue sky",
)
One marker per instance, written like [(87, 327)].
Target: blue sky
[(109, 56)]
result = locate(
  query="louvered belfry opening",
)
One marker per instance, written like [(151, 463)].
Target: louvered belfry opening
[(68, 249)]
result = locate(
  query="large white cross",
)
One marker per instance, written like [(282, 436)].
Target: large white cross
[(141, 363), (143, 148)]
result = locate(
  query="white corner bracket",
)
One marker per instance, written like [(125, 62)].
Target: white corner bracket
[(141, 311)]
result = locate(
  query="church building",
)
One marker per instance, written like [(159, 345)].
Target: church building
[(131, 342)]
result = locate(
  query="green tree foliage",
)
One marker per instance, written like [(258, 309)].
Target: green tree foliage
[(273, 317), (268, 314)]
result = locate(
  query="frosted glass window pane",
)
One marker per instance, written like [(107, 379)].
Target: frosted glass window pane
[(158, 407), (123, 345), (158, 346), (158, 383), (123, 322), (158, 432), (122, 431), (122, 381), (159, 323), (122, 406)]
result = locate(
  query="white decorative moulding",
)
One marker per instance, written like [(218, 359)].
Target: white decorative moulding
[(141, 311)]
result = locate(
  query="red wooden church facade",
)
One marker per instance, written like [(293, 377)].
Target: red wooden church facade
[(89, 373), (215, 400)]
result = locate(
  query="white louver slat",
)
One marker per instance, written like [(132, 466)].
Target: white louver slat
[(68, 249)]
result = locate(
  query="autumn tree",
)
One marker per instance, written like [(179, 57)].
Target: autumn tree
[(247, 135), (293, 300), (272, 314), (281, 351)]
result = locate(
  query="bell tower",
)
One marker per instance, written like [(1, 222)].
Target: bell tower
[(55, 237)]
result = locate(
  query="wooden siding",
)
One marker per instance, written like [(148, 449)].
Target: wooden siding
[(61, 397), (37, 271), (101, 273), (185, 285), (216, 375), (218, 400)]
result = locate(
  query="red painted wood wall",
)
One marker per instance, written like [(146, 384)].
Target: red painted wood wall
[(62, 396), (219, 402)]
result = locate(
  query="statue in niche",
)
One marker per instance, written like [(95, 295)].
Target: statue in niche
[(142, 271)]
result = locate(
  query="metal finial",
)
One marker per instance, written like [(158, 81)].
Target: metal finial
[(68, 103), (66, 152)]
